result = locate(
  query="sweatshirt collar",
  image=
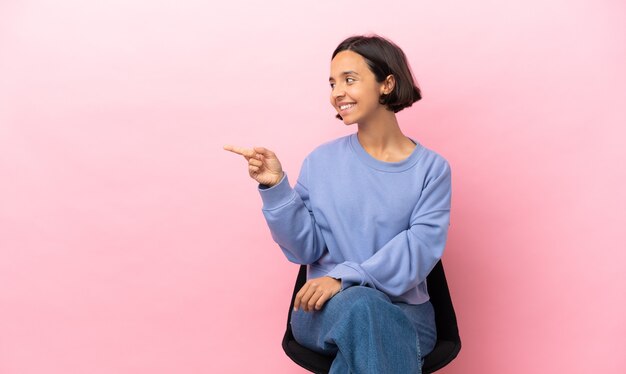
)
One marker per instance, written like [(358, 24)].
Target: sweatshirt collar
[(375, 163)]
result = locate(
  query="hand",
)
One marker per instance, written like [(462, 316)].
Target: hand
[(316, 292), (263, 165)]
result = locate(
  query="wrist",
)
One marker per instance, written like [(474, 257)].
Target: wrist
[(280, 178)]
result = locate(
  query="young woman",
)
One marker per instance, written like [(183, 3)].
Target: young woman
[(369, 215)]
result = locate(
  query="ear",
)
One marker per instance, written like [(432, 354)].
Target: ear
[(388, 85)]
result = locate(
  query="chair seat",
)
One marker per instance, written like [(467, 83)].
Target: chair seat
[(308, 359), (444, 352)]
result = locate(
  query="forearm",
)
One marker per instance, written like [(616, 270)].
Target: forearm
[(400, 265), (291, 224)]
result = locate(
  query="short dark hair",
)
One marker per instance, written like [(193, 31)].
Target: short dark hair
[(384, 57)]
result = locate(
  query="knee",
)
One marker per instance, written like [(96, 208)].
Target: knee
[(364, 306), (361, 295), (364, 291)]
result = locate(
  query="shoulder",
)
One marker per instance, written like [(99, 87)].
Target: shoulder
[(435, 163), (428, 156)]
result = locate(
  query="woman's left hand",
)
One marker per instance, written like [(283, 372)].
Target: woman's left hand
[(316, 292)]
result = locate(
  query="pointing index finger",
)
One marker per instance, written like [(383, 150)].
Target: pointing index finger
[(239, 150)]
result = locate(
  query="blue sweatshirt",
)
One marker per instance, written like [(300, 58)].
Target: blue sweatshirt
[(364, 221)]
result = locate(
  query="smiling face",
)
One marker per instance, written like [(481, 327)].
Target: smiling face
[(354, 90)]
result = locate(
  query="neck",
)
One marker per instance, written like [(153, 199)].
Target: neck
[(381, 133)]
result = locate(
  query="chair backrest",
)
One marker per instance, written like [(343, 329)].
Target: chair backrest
[(448, 341)]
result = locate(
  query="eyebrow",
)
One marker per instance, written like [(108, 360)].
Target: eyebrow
[(345, 73)]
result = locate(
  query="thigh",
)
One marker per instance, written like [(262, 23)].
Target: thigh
[(306, 329), (310, 329), (423, 318)]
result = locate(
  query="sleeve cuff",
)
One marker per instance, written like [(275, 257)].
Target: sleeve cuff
[(277, 195), (350, 274)]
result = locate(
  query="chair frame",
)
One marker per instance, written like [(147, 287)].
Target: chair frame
[(446, 348)]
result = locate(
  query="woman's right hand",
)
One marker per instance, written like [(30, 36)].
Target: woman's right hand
[(263, 165)]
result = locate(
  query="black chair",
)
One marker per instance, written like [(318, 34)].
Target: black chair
[(448, 341)]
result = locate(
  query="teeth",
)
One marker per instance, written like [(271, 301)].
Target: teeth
[(346, 106)]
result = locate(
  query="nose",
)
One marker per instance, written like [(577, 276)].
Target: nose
[(337, 92)]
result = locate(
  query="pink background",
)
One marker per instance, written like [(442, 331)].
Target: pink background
[(131, 242)]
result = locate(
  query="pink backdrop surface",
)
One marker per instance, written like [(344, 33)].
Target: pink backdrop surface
[(131, 242)]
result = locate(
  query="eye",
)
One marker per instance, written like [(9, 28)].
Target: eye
[(332, 85)]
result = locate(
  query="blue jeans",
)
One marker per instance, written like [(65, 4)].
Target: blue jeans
[(368, 332)]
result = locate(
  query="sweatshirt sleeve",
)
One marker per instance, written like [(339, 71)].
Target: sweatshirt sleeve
[(290, 219), (407, 259)]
